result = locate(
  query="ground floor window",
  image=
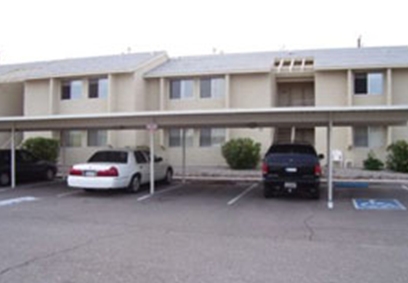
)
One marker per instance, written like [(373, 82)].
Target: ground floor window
[(176, 136), (212, 137), (72, 138), (368, 136), (97, 138)]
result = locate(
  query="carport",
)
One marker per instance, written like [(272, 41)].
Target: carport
[(230, 118)]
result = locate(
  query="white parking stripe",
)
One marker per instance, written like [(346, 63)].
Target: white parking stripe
[(68, 194), (145, 197), (4, 190), (16, 200), (247, 190), (404, 187)]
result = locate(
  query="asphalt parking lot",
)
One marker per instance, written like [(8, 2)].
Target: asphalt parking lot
[(199, 232)]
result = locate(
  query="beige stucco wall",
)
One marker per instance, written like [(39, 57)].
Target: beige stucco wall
[(399, 97), (331, 90), (12, 101)]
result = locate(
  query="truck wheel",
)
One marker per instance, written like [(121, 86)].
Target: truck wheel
[(4, 179), (269, 193), (315, 194)]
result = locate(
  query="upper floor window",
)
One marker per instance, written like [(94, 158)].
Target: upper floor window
[(98, 88), (368, 83), (212, 87), (71, 89), (97, 138), (181, 89), (368, 136), (176, 135), (212, 137)]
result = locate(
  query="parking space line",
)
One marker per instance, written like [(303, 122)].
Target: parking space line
[(404, 187), (145, 197), (4, 190), (68, 194), (16, 200), (247, 190)]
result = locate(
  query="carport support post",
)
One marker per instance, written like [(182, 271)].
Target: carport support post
[(329, 165), (13, 159), (183, 154), (151, 132)]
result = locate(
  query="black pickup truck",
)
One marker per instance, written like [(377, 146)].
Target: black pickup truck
[(291, 168)]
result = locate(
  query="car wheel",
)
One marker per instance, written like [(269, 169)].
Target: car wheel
[(315, 194), (169, 176), (269, 193), (134, 185), (4, 179), (49, 174)]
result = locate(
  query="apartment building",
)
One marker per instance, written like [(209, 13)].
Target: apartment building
[(152, 81)]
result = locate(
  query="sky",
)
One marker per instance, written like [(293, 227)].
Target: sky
[(46, 30)]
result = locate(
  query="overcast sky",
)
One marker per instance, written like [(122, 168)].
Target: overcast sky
[(50, 29)]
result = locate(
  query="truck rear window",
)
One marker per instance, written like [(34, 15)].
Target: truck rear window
[(293, 149), (109, 156)]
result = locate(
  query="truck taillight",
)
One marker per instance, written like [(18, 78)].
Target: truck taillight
[(265, 168), (111, 172), (75, 172), (318, 170)]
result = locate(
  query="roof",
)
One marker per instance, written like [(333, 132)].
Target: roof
[(76, 67), (241, 118), (324, 59)]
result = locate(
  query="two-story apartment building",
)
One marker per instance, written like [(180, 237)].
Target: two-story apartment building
[(152, 81)]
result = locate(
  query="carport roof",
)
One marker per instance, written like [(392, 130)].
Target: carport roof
[(243, 118), (261, 62), (76, 67)]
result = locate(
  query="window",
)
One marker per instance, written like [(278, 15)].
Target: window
[(97, 138), (73, 138), (140, 157), (98, 88), (212, 137), (212, 88), (369, 136), (176, 135), (181, 89), (109, 156), (71, 90), (368, 83)]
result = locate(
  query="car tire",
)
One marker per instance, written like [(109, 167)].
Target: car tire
[(4, 179), (269, 193), (89, 190), (169, 176), (134, 185), (49, 174), (315, 194)]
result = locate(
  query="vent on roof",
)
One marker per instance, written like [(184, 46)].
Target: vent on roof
[(293, 64)]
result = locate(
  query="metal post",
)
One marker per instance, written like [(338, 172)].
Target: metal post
[(329, 165), (151, 131), (183, 154), (292, 134), (13, 159)]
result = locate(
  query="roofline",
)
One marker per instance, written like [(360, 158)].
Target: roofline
[(210, 73)]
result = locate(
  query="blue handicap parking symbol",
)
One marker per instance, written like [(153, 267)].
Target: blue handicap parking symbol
[(378, 204)]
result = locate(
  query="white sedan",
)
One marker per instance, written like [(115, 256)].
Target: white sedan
[(113, 169)]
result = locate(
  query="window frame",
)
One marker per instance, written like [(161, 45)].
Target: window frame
[(68, 87), (179, 143), (69, 138), (209, 141), (370, 142), (98, 133), (98, 86), (368, 79), (181, 88), (214, 85)]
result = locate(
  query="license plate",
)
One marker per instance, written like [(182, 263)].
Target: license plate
[(291, 169), (290, 185), (90, 173)]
